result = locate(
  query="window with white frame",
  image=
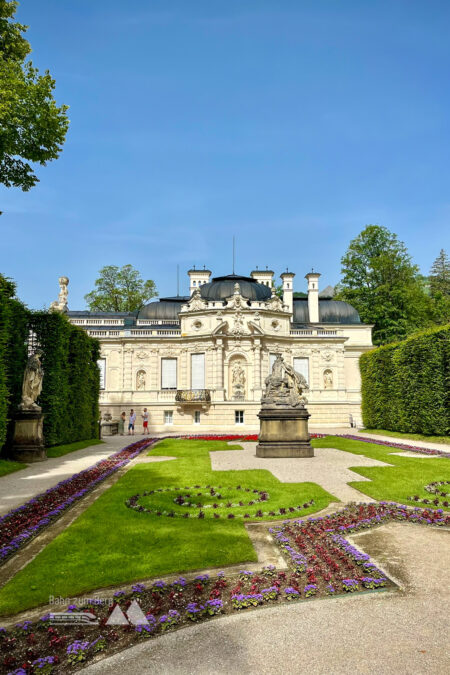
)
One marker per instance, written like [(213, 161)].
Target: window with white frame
[(168, 416), (197, 417), (197, 371), (301, 366), (239, 417), (168, 373)]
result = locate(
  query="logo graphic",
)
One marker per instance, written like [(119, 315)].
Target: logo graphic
[(135, 616), (72, 618)]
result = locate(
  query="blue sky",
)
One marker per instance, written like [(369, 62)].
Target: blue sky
[(291, 124)]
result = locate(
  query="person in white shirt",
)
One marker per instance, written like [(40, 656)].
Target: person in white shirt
[(131, 422), (145, 416)]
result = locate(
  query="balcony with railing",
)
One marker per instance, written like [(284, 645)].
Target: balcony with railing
[(193, 396)]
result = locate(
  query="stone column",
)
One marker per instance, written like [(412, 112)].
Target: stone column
[(219, 387), (257, 388)]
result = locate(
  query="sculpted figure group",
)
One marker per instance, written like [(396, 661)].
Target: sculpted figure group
[(284, 386)]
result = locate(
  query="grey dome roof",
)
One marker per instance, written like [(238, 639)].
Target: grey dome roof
[(330, 311), (223, 287), (165, 308)]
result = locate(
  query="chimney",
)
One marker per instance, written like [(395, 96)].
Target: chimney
[(197, 278), (313, 296), (288, 289), (264, 277)]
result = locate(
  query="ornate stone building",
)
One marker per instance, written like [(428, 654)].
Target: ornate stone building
[(198, 363)]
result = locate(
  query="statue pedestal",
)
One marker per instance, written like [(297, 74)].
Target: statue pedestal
[(284, 433), (28, 441)]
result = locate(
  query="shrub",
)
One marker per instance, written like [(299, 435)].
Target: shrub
[(406, 385)]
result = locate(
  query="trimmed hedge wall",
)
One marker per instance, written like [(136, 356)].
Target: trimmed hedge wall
[(406, 385), (70, 390), (14, 317)]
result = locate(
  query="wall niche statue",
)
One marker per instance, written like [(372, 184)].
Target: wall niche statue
[(140, 380), (238, 380), (328, 379)]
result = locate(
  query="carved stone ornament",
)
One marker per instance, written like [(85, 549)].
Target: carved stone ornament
[(275, 304), (140, 380), (32, 383), (142, 355), (327, 355), (328, 379), (60, 305), (236, 301), (195, 304), (284, 387)]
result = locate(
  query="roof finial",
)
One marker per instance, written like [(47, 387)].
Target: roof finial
[(233, 254)]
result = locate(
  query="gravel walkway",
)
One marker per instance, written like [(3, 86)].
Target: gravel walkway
[(329, 468), (375, 634), (17, 488)]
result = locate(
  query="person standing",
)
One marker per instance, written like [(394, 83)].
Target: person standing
[(131, 422), (145, 421), (122, 420)]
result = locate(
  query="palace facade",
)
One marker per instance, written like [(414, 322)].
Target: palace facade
[(199, 362)]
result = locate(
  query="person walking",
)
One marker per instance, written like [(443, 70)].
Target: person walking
[(131, 422), (122, 420), (145, 421)]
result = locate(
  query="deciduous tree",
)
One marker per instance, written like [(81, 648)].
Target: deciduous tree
[(381, 282), (120, 289), (32, 127)]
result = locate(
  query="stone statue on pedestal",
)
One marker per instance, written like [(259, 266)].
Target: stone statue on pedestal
[(32, 383), (283, 416), (28, 441), (284, 386)]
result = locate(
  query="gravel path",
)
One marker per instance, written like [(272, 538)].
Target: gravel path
[(17, 488), (375, 634), (329, 468)]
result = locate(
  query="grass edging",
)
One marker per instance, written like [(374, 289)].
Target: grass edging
[(60, 450)]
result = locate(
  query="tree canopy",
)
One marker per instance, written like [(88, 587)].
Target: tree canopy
[(120, 289), (439, 284), (381, 282), (32, 127)]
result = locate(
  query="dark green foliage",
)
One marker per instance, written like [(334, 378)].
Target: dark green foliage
[(380, 281), (14, 318), (406, 386), (69, 397)]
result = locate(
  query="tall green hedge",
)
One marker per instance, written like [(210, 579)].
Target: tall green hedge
[(70, 390), (406, 386), (14, 317)]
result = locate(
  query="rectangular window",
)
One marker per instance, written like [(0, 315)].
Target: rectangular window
[(168, 373), (197, 371), (168, 416), (239, 417), (197, 417), (301, 366), (102, 367)]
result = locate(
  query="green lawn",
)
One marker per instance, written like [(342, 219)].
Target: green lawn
[(408, 437), (7, 466), (406, 477), (110, 544), (60, 450)]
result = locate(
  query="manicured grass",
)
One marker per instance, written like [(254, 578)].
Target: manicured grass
[(60, 450), (7, 466), (406, 477), (408, 437), (111, 544)]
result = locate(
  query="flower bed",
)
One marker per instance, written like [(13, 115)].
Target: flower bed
[(222, 499), (436, 489), (321, 562), (400, 446), (23, 523)]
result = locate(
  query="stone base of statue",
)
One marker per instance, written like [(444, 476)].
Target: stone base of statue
[(284, 433), (28, 441)]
